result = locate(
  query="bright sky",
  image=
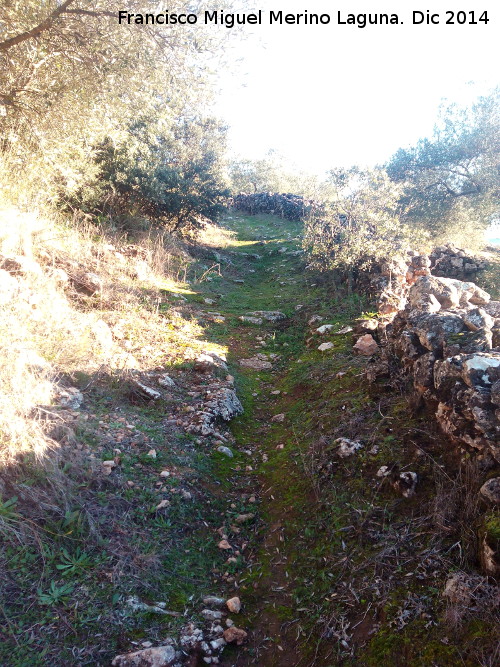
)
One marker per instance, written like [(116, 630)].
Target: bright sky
[(331, 95)]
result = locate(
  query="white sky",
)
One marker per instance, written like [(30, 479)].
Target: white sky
[(332, 95)]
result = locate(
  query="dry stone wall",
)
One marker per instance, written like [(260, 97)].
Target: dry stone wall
[(444, 333), (288, 206), (450, 262)]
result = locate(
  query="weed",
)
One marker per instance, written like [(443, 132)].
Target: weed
[(55, 594), (7, 510), (75, 563)]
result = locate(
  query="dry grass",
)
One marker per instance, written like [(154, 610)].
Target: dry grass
[(214, 236), (490, 279), (49, 329), (456, 508)]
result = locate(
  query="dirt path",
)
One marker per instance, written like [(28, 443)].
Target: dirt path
[(338, 569), (273, 281)]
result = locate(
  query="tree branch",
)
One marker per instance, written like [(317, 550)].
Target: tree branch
[(37, 30), (88, 12)]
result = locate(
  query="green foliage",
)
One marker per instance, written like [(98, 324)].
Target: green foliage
[(451, 181), (55, 594), (492, 525), (73, 563), (71, 525), (360, 224), (7, 509), (168, 171), (270, 174), (106, 118), (65, 59)]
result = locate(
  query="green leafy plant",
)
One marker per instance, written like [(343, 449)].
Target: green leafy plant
[(7, 511), (74, 563), (55, 595), (73, 523)]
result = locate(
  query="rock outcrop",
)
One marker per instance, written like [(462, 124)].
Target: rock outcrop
[(219, 402)]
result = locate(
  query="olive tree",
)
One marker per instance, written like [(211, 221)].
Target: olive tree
[(100, 114), (272, 173), (451, 181), (360, 224), (170, 173)]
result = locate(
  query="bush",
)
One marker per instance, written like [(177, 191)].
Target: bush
[(360, 225)]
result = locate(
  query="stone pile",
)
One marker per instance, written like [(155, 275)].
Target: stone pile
[(444, 335), (195, 645), (218, 400), (288, 206)]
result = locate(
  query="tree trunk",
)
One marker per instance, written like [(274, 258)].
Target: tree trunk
[(349, 281)]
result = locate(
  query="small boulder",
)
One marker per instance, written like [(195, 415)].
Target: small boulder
[(89, 283), (234, 605), (69, 397), (255, 363), (209, 361), (490, 490), (479, 296), (443, 290), (406, 484), (324, 328), (269, 315), (366, 345), (161, 656), (365, 325), (225, 450), (234, 635), (477, 319), (213, 601), (492, 308), (224, 405), (347, 447), (165, 381), (142, 391)]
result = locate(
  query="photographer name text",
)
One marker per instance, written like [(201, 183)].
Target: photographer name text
[(340, 18)]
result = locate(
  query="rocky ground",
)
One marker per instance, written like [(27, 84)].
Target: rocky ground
[(255, 500)]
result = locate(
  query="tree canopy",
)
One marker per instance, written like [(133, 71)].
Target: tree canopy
[(361, 223), (272, 173), (85, 99), (452, 179)]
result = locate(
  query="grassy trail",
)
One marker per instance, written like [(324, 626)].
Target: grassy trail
[(276, 281), (286, 555), (339, 569), (332, 566)]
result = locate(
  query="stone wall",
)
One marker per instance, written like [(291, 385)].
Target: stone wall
[(450, 262), (288, 206), (444, 334)]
